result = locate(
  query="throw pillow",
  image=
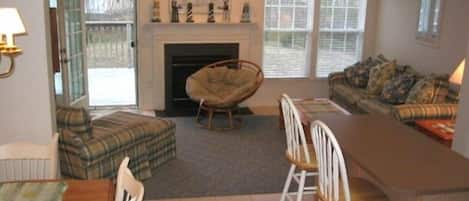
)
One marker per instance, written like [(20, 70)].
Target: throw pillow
[(361, 75), (396, 90), (378, 77), (428, 90)]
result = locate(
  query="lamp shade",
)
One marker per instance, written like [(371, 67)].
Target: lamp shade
[(10, 21), (456, 77)]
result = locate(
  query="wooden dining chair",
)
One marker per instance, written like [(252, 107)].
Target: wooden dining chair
[(334, 183), (21, 161), (299, 153), (128, 188)]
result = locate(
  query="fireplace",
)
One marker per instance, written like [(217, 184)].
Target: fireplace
[(181, 61)]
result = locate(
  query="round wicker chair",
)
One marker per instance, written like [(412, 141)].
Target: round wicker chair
[(221, 86)]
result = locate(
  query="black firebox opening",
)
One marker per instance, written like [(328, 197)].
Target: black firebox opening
[(181, 61)]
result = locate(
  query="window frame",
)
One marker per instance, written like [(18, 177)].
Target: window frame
[(313, 50), (309, 48), (427, 36), (316, 30)]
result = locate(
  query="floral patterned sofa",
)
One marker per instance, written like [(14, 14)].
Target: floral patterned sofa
[(94, 149), (380, 86)]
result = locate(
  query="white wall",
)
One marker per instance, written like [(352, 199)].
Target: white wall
[(150, 91), (461, 140), (26, 97), (397, 26)]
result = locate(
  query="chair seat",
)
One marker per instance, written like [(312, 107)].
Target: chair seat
[(301, 162), (362, 190)]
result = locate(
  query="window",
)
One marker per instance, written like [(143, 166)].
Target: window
[(428, 29), (341, 29), (287, 36)]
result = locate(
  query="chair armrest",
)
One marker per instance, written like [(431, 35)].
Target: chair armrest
[(335, 78), (70, 141), (412, 112), (76, 120)]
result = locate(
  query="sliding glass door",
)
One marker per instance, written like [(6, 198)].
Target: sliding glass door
[(110, 29)]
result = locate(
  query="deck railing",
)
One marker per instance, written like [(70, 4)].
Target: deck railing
[(109, 44)]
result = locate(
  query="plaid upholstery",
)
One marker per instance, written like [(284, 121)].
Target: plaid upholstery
[(412, 112), (76, 120), (149, 142), (349, 94)]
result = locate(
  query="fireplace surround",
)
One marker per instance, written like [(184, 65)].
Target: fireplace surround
[(181, 61)]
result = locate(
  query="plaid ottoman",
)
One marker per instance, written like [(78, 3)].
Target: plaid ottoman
[(148, 141)]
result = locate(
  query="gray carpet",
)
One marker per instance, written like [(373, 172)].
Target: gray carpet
[(246, 161)]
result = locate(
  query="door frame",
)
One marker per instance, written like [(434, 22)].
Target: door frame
[(83, 101)]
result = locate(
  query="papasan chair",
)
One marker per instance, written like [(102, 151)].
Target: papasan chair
[(221, 86)]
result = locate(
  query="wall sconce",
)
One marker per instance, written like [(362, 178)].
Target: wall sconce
[(10, 25)]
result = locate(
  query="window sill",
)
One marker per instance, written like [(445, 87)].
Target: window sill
[(296, 78)]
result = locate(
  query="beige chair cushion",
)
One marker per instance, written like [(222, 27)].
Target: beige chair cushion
[(221, 86), (301, 162)]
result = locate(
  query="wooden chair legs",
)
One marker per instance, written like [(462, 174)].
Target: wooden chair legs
[(233, 123)]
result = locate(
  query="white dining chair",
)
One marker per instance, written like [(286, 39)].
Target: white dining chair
[(21, 161), (128, 188), (299, 153), (334, 182)]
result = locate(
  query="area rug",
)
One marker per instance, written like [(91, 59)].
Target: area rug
[(210, 163)]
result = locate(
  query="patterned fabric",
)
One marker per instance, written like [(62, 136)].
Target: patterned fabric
[(32, 191), (357, 75), (149, 142), (76, 120), (349, 73), (428, 90), (378, 77), (453, 96), (413, 112), (349, 94), (374, 106), (396, 90)]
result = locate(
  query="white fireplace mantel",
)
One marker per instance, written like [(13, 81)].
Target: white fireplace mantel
[(173, 33)]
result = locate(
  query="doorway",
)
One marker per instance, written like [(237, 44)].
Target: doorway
[(110, 40)]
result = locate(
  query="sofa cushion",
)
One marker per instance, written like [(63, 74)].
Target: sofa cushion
[(374, 106), (396, 90), (349, 94), (428, 90), (358, 74), (378, 77)]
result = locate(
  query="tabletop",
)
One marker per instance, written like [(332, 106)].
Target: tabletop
[(399, 157), (89, 190)]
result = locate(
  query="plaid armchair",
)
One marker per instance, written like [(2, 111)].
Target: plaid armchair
[(94, 149)]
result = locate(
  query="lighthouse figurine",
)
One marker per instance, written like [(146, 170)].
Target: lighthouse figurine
[(189, 17), (246, 16), (156, 11), (211, 13)]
